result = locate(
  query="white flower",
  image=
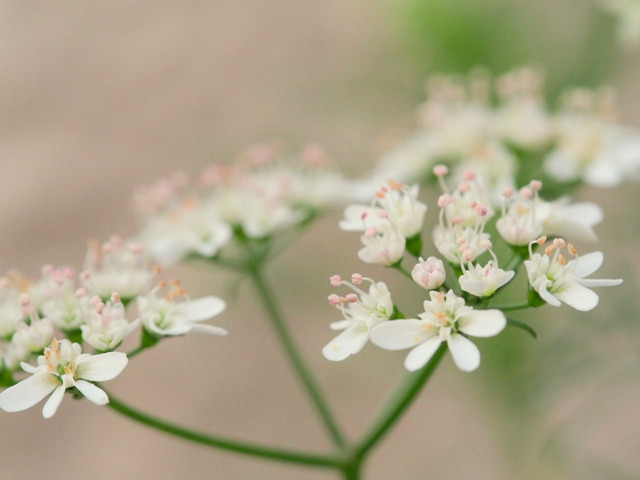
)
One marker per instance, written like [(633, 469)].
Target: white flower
[(445, 319), (164, 316), (117, 267), (107, 325), (361, 313), (63, 365), (576, 220), (557, 280), (191, 228), (382, 246), (484, 281), (35, 336), (429, 273)]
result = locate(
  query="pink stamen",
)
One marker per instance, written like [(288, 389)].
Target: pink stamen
[(335, 280), (356, 278), (440, 170)]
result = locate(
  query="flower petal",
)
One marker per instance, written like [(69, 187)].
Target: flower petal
[(340, 324), (99, 368), (27, 393), (93, 393), (420, 355), (210, 329), (202, 308), (465, 354), (401, 334), (51, 407), (587, 264), (599, 282), (482, 323), (348, 342), (577, 296)]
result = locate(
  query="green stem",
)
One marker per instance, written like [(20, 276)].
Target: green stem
[(398, 266), (398, 403), (298, 363), (510, 306), (136, 351), (288, 456)]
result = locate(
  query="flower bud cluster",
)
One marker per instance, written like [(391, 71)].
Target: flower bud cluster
[(261, 195), (458, 305), (63, 313), (502, 128)]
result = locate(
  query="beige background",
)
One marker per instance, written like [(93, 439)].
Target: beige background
[(97, 98)]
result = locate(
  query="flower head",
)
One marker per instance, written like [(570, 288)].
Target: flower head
[(362, 311), (62, 366), (162, 316), (445, 319), (557, 280)]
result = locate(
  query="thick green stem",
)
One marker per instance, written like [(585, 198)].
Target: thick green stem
[(398, 403), (398, 266), (282, 455), (298, 363)]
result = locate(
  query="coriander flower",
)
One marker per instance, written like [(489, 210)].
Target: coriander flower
[(445, 319), (163, 316), (362, 311), (557, 280), (63, 365), (107, 325)]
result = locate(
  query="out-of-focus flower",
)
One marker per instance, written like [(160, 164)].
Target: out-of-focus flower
[(628, 15), (445, 319), (262, 195), (557, 280), (117, 266), (62, 366), (362, 311)]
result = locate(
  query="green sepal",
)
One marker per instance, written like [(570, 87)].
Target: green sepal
[(148, 339), (397, 314), (413, 245), (74, 336), (534, 299), (6, 378)]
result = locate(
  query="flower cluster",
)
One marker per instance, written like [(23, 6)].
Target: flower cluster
[(459, 304), (261, 195), (505, 131), (91, 310)]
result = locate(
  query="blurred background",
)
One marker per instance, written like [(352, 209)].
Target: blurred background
[(97, 98)]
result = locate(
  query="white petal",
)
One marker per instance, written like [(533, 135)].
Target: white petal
[(420, 355), (577, 296), (210, 329), (27, 393), (348, 342), (599, 282), (99, 368), (93, 393), (587, 264), (202, 308), (541, 288), (51, 407), (465, 354), (340, 325), (401, 334), (178, 327), (482, 323)]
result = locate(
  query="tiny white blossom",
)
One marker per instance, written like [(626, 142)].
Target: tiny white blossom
[(557, 280), (445, 319), (164, 316), (362, 311), (382, 246), (62, 366), (484, 281), (107, 325)]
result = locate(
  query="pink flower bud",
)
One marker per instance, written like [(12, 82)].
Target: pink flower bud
[(429, 273)]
